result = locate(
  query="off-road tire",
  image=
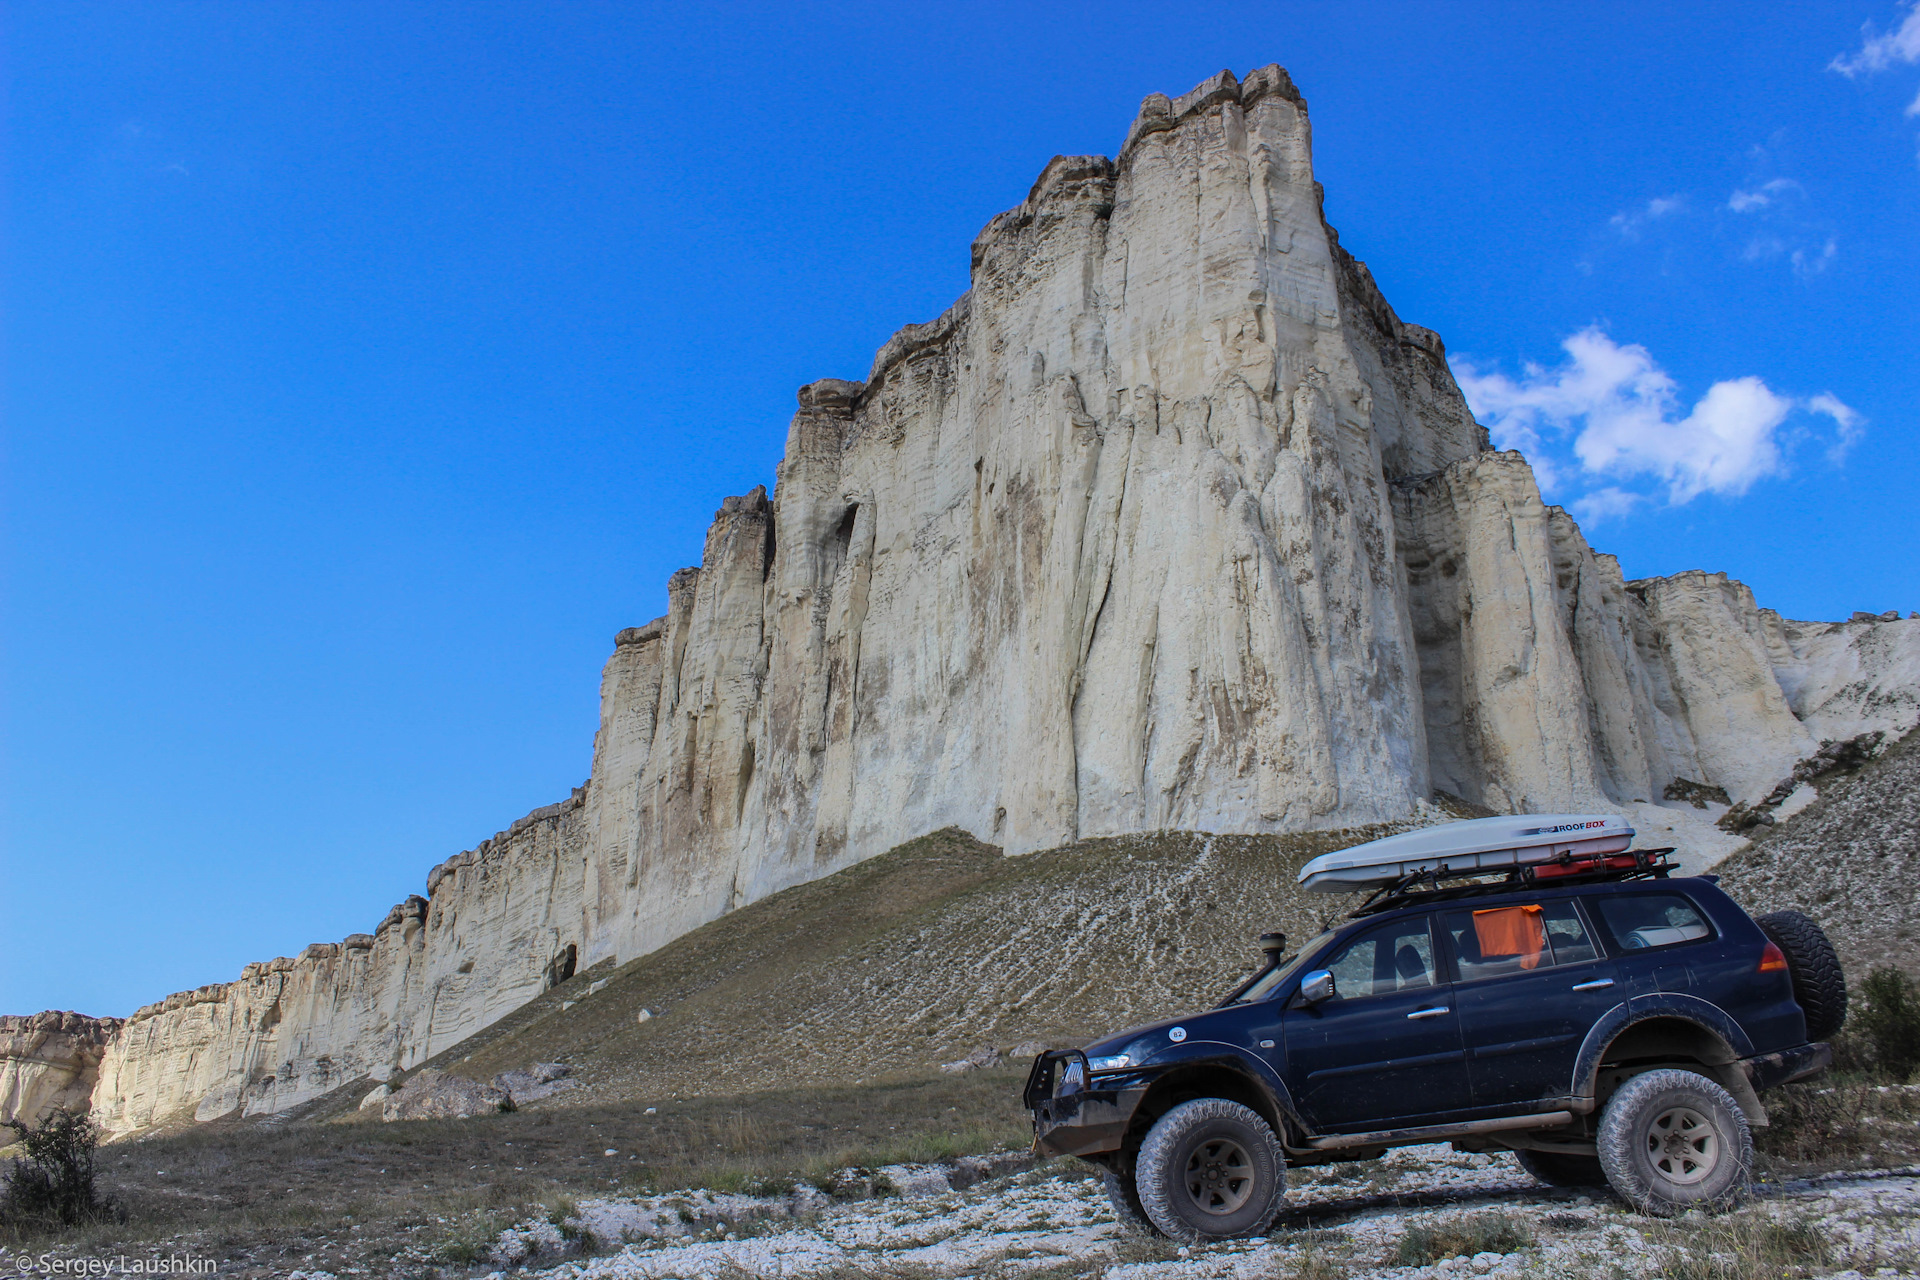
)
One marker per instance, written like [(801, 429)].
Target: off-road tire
[(1214, 1153), (1673, 1140), (1125, 1199), (1563, 1169), (1818, 984)]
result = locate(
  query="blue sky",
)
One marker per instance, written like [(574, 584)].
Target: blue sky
[(369, 365)]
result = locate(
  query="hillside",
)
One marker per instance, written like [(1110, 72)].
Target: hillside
[(1851, 860), (921, 956), (942, 946)]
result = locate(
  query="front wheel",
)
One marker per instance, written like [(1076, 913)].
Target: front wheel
[(1674, 1140), (1210, 1170)]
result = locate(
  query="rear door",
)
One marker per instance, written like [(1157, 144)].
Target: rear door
[(1530, 982), (1656, 935), (1385, 1051)]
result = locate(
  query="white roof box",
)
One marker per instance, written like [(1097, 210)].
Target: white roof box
[(1462, 848)]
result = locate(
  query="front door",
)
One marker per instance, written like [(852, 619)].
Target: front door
[(1531, 984), (1385, 1051)]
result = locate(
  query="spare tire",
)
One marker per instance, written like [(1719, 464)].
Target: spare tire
[(1818, 984)]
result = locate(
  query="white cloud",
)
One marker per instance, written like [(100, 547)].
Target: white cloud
[(1878, 52), (1848, 422), (1623, 416), (1630, 223), (1807, 263), (1899, 47), (1605, 504), (1762, 196)]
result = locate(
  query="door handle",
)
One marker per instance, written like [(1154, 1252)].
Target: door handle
[(1429, 1013), (1595, 985)]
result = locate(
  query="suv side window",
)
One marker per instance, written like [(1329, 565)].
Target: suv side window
[(1394, 957), (1642, 921), (1518, 938)]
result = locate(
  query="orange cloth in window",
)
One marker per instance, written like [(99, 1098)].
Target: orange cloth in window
[(1511, 931)]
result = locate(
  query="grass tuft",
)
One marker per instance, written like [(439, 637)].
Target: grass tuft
[(1743, 1249), (1429, 1242)]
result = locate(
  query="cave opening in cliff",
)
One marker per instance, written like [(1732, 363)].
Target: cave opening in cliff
[(562, 966)]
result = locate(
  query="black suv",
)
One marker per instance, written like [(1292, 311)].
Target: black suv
[(1614, 1028)]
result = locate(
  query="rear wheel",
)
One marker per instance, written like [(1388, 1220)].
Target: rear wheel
[(1561, 1169), (1819, 986), (1210, 1170), (1674, 1140)]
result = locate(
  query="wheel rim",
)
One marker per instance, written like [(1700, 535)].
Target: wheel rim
[(1219, 1176), (1683, 1145)]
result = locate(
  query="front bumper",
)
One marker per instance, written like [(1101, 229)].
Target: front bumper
[(1075, 1114), (1770, 1070)]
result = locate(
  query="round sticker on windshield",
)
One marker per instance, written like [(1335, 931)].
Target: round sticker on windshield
[(1177, 1034)]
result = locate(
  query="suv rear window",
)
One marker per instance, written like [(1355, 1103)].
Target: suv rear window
[(1516, 939), (1643, 921)]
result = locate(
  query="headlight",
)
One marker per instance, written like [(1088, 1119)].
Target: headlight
[(1116, 1062)]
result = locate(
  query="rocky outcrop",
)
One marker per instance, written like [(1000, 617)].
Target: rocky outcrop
[(434, 1095), (49, 1062), (1168, 522)]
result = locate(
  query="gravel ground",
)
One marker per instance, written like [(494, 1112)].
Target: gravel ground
[(1346, 1220)]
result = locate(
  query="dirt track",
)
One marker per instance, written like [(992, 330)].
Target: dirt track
[(1343, 1221)]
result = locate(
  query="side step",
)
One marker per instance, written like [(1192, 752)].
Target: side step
[(1437, 1132)]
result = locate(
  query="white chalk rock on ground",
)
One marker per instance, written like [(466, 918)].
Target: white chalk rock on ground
[(1339, 1220), (1168, 522), (434, 1095)]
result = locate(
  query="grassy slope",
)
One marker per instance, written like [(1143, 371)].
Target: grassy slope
[(921, 956), (1851, 860)]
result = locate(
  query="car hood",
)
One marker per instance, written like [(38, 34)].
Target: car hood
[(1153, 1037)]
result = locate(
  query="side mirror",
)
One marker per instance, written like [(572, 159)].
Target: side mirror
[(1316, 986)]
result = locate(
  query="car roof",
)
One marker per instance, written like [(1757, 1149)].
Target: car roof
[(1503, 894)]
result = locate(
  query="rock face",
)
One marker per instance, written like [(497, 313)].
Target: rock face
[(49, 1062), (435, 1095), (1168, 522)]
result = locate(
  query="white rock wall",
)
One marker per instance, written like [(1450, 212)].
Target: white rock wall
[(1169, 522), (49, 1061)]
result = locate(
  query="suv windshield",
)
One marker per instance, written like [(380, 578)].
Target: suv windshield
[(1264, 985)]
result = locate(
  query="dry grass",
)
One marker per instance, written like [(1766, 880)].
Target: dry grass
[(1741, 1248), (1837, 1122), (435, 1194), (921, 956), (1428, 1242)]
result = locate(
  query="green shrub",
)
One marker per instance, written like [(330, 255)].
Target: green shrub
[(1889, 1021), (54, 1185)]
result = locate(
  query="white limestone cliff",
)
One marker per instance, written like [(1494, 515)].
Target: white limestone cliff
[(1168, 522), (49, 1061)]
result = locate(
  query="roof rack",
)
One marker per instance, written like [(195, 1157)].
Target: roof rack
[(1635, 864)]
